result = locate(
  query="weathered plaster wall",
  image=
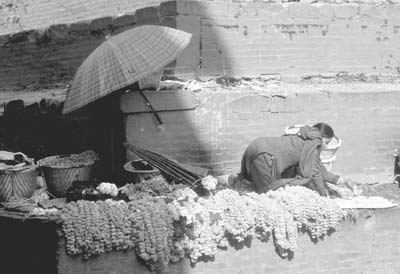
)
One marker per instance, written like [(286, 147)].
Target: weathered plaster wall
[(288, 41), (239, 38), (292, 40), (216, 133)]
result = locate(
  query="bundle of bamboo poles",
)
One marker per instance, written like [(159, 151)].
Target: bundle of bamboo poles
[(170, 168)]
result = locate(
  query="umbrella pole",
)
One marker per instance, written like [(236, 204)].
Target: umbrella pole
[(151, 107)]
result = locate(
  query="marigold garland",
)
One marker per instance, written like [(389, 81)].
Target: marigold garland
[(161, 232)]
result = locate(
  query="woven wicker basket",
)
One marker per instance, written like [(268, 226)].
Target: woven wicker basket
[(17, 184), (59, 179)]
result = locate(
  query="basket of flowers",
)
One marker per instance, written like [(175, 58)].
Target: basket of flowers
[(18, 175), (61, 170)]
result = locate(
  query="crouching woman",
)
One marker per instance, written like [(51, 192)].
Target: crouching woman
[(272, 162)]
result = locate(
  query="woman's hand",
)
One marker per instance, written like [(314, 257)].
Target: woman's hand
[(350, 184), (320, 188)]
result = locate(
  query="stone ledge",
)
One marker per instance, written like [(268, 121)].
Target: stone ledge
[(284, 89), (271, 90), (31, 97)]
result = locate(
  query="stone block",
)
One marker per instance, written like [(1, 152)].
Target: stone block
[(286, 105), (39, 36), (124, 20), (281, 17), (271, 8), (168, 8), (373, 13), (149, 15), (393, 13), (190, 57), (326, 11), (208, 8), (345, 11), (161, 101), (4, 39), (169, 21), (58, 32), (241, 105), (190, 8), (80, 26), (101, 23), (300, 10)]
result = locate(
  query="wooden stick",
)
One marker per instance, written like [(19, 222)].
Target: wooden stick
[(170, 163), (166, 165), (173, 165), (165, 162), (162, 168)]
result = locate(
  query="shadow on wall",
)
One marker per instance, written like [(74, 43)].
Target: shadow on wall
[(35, 60), (189, 132), (48, 59)]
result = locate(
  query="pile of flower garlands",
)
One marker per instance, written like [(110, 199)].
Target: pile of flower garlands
[(92, 228), (196, 226), (281, 214)]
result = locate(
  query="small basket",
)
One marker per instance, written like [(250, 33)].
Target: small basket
[(328, 163), (17, 184), (60, 178), (330, 149)]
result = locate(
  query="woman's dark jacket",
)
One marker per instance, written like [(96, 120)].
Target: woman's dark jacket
[(301, 150)]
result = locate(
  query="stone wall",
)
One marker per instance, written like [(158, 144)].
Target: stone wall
[(216, 133), (36, 59), (274, 40), (22, 15), (292, 41)]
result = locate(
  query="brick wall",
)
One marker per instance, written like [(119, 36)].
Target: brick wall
[(216, 133), (236, 37), (45, 58), (239, 38), (367, 247), (20, 15), (293, 40)]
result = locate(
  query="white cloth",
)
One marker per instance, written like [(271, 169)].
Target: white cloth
[(364, 202)]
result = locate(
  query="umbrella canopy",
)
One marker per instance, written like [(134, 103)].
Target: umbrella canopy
[(122, 60)]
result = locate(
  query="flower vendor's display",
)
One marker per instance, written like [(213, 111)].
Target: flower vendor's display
[(165, 228)]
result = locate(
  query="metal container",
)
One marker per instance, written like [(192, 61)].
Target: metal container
[(396, 168)]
